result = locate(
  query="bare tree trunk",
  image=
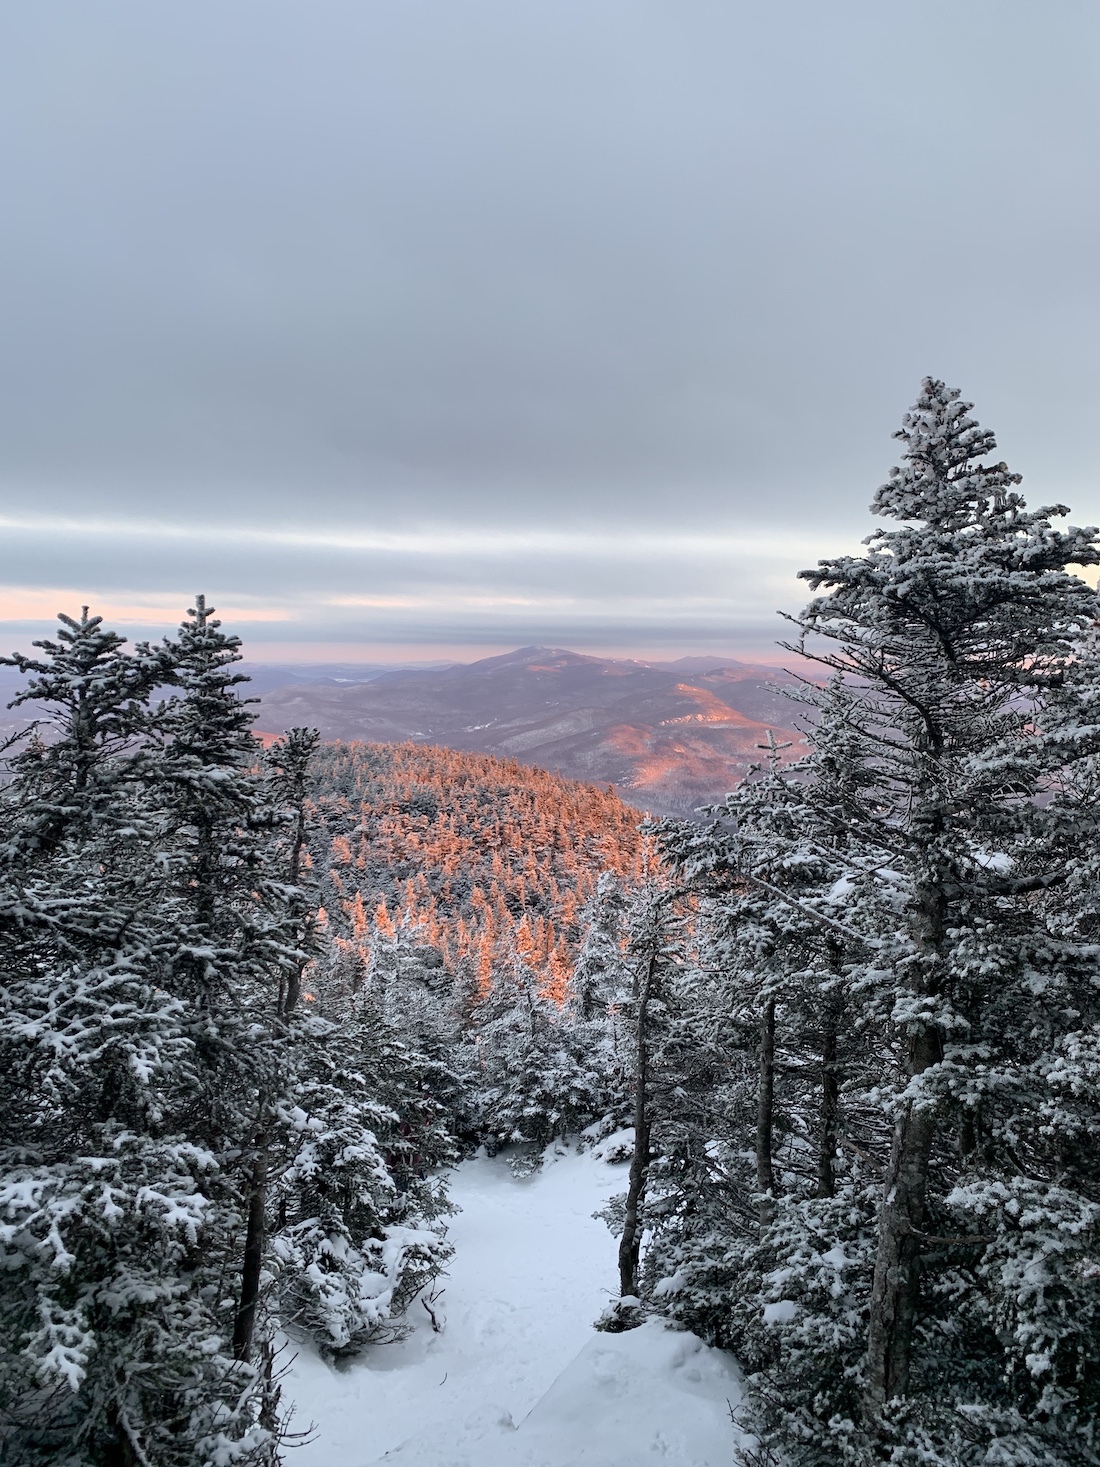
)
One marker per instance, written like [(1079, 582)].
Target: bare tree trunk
[(968, 1135), (896, 1285), (269, 1410), (765, 1110), (252, 1264), (631, 1241), (830, 1102), (897, 1261), (293, 991), (124, 1449), (294, 981)]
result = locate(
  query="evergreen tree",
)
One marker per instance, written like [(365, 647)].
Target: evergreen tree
[(958, 629), (598, 973), (936, 1308), (358, 1208), (187, 1140), (114, 1347), (597, 1009), (230, 945), (530, 1079), (764, 1198), (653, 1091)]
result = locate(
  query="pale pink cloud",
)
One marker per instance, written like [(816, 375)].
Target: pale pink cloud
[(38, 603)]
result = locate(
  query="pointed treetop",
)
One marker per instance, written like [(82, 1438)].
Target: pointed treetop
[(941, 480), (201, 612), (972, 580), (85, 664), (83, 643), (207, 650)]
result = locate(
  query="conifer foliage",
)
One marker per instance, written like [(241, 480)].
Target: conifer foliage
[(163, 1100), (479, 860), (902, 928)]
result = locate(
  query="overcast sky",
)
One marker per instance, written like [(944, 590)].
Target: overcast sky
[(435, 327)]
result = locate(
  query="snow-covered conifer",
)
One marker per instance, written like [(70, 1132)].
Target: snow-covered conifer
[(114, 1345), (598, 973), (530, 1079), (933, 1308), (358, 1212), (957, 629), (766, 1160)]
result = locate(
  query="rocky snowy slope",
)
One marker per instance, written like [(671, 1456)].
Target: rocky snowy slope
[(518, 1377)]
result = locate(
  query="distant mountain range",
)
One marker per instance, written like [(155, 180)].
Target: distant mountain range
[(670, 736)]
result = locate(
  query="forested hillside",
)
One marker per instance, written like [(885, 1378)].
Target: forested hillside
[(466, 861)]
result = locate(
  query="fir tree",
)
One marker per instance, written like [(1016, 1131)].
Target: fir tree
[(186, 1140), (357, 1208), (230, 944), (764, 1200), (598, 973)]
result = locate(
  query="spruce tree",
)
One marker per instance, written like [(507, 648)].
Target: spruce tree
[(927, 1296), (230, 940), (359, 1209), (957, 629), (765, 1201), (650, 1077), (114, 1347)]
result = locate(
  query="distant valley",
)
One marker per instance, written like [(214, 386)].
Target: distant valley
[(670, 736)]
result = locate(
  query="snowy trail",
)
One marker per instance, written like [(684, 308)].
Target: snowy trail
[(518, 1377)]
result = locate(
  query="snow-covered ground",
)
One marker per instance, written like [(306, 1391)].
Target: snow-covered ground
[(518, 1377)]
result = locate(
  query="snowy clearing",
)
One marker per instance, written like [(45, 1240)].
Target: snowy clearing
[(518, 1377)]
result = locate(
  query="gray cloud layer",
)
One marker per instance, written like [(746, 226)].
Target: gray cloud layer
[(558, 269)]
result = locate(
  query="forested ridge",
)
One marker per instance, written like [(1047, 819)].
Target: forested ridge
[(844, 1033), (472, 859)]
